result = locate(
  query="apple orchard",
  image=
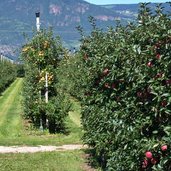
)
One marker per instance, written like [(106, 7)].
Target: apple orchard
[(122, 77)]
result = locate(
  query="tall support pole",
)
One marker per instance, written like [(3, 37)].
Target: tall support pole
[(3, 59), (46, 87), (38, 30)]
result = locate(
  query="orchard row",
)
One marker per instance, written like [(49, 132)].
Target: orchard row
[(8, 74), (44, 105), (122, 78)]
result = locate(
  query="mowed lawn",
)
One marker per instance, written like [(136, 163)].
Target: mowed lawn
[(14, 132), (47, 161), (10, 111)]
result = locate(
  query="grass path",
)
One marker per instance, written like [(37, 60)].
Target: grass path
[(75, 113), (10, 118), (14, 133)]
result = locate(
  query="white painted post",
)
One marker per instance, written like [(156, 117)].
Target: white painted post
[(46, 87), (3, 58), (46, 95)]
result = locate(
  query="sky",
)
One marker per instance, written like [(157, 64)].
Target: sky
[(99, 2)]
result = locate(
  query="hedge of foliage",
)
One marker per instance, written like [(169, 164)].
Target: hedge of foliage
[(42, 55), (20, 70), (7, 74), (125, 78), (73, 76)]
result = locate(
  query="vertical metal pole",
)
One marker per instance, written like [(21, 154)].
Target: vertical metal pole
[(46, 96), (46, 87), (3, 58), (38, 30)]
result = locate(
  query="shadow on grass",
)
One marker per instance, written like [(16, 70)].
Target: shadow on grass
[(94, 162), (66, 131)]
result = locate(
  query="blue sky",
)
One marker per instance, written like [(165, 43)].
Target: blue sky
[(122, 1)]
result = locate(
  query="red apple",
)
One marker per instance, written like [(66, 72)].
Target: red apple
[(158, 56), (164, 147), (154, 161), (144, 163), (107, 85), (164, 103), (106, 71), (159, 75), (168, 82), (139, 94), (149, 154), (149, 64), (113, 85)]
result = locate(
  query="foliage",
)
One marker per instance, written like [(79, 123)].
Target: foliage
[(7, 74), (126, 104), (20, 70), (41, 57), (73, 75)]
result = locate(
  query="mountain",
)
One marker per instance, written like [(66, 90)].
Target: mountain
[(18, 17), (130, 11)]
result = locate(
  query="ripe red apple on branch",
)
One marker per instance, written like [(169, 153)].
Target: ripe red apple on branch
[(154, 161), (106, 85), (105, 71), (139, 94), (168, 82), (113, 85), (149, 154), (149, 64), (158, 56), (144, 164), (164, 147), (164, 103), (159, 75)]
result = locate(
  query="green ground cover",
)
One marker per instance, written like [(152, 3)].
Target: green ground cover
[(14, 131), (48, 161)]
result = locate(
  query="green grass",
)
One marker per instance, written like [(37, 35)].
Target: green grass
[(75, 113), (48, 161), (10, 118), (13, 131)]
